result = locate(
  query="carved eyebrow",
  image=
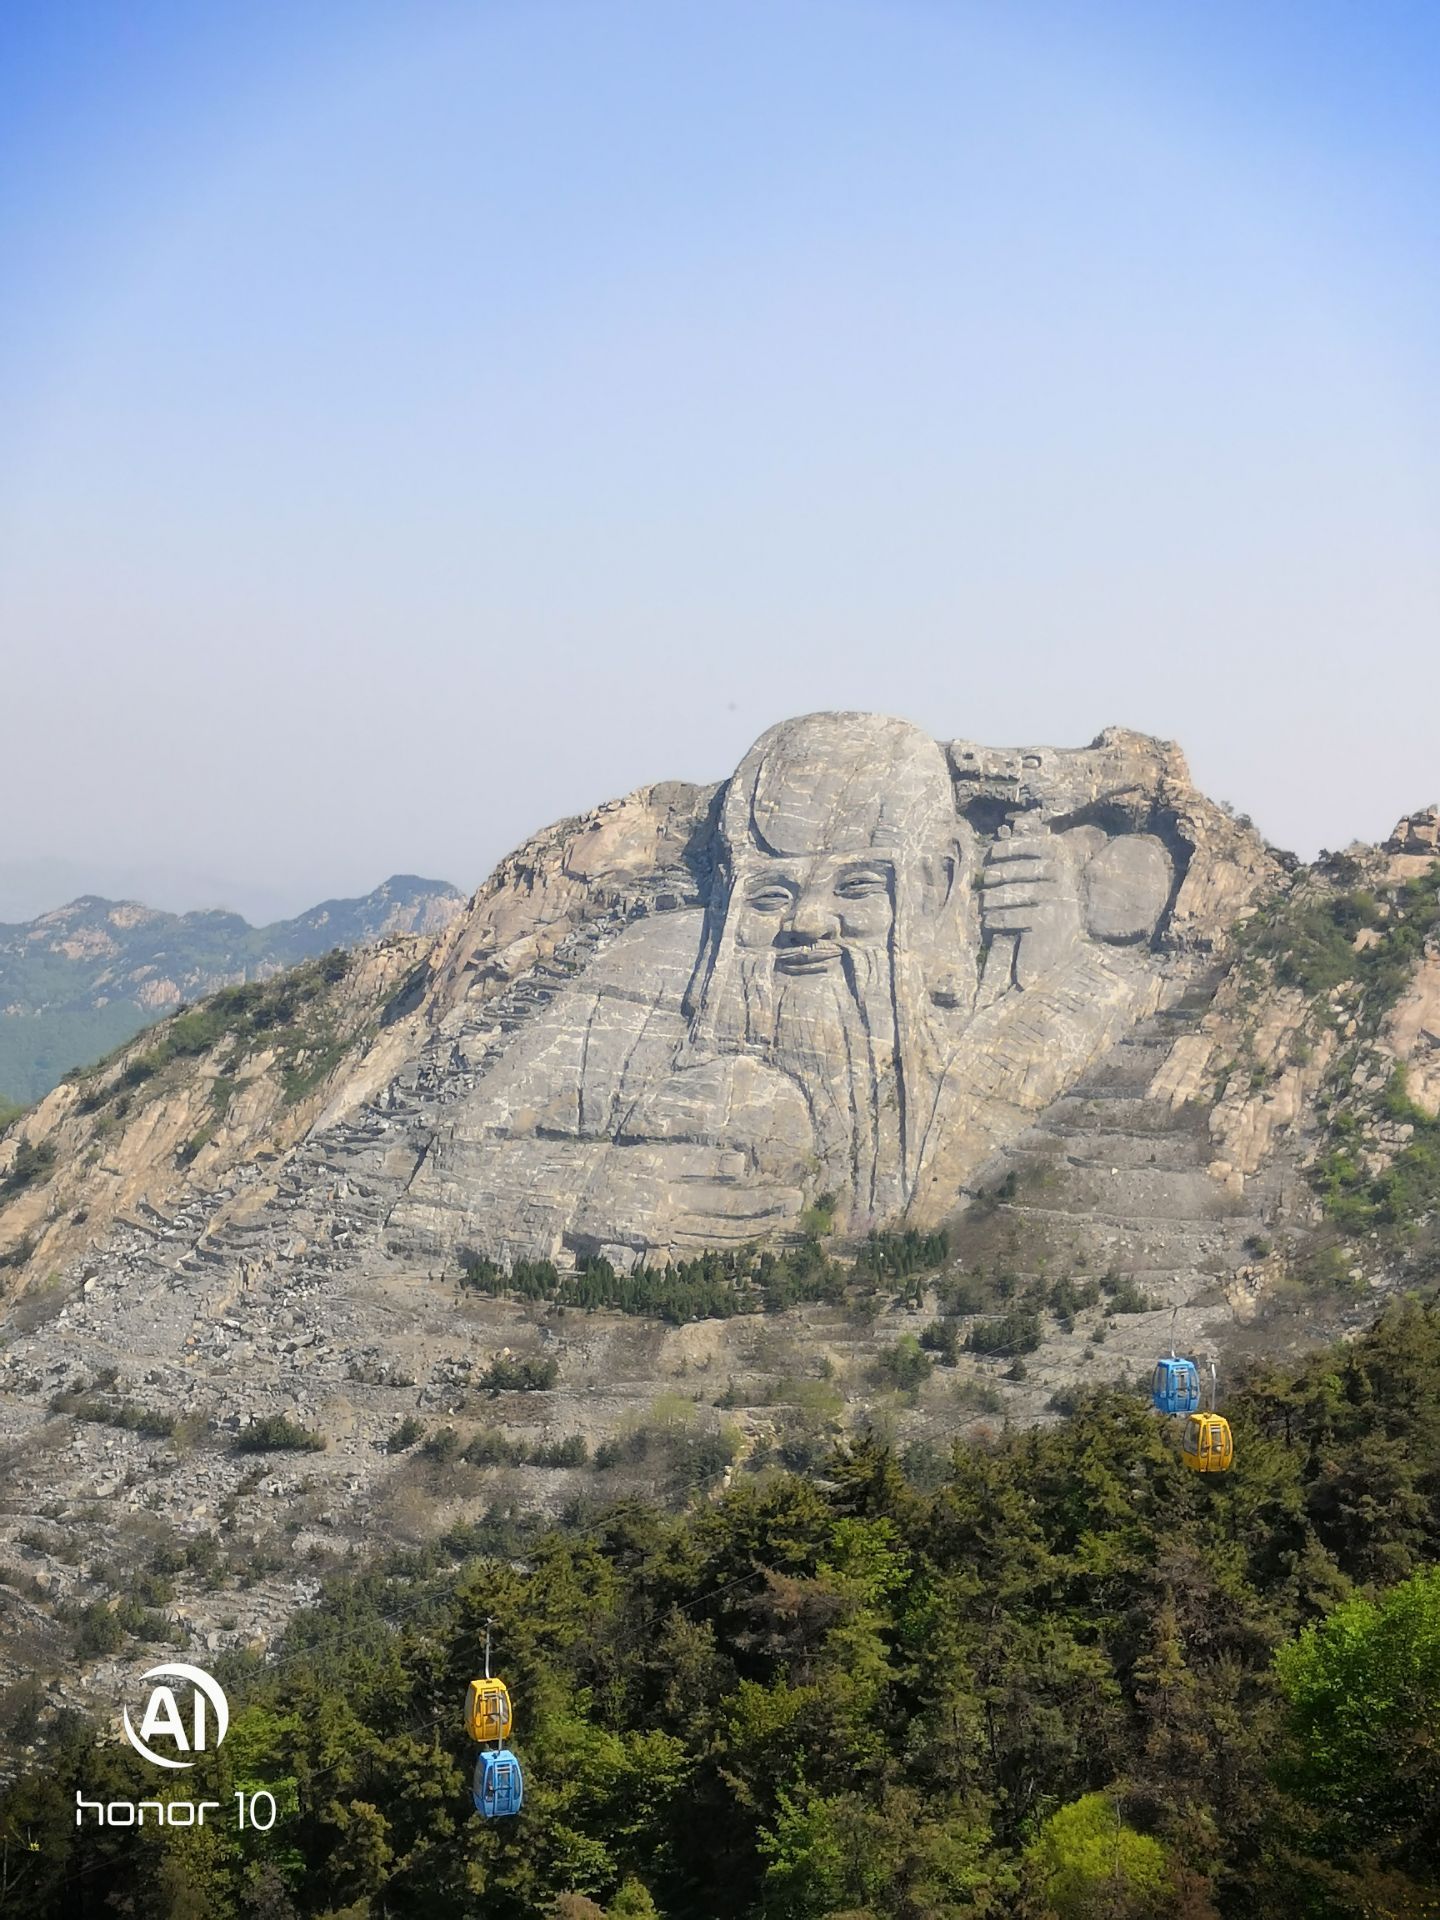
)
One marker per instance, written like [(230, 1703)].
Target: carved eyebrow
[(866, 870)]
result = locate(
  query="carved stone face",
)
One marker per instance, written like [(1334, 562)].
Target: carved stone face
[(842, 863), (811, 911), (844, 900)]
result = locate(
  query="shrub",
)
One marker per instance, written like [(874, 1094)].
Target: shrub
[(905, 1365), (278, 1433), (704, 1456), (490, 1449), (21, 1704), (1326, 1267), (712, 1286), (33, 1160), (618, 1448), (1014, 1332), (521, 1373), (493, 1448), (632, 1902), (888, 1256), (1068, 1297), (149, 1588), (405, 1435), (819, 1219), (144, 1624), (118, 1413), (1126, 1297), (941, 1339), (97, 1632), (687, 1456), (978, 1396), (442, 1447), (966, 1293)]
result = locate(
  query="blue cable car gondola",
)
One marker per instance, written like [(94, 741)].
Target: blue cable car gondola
[(499, 1787), (1175, 1386)]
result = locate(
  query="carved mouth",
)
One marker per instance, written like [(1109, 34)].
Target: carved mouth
[(816, 959)]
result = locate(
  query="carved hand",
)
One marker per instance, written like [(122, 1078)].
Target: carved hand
[(1030, 892)]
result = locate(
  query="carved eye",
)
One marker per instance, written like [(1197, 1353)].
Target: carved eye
[(770, 899), (863, 885)]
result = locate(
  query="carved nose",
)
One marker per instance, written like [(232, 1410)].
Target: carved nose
[(812, 920)]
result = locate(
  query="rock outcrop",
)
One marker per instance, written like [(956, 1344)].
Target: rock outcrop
[(850, 973), (1417, 834)]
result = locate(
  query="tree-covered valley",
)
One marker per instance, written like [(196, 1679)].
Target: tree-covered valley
[(1055, 1673)]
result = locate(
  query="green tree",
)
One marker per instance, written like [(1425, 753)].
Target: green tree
[(632, 1902), (885, 1854), (1363, 1691), (1086, 1864)]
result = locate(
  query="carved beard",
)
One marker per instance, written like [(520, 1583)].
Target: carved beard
[(834, 1035)]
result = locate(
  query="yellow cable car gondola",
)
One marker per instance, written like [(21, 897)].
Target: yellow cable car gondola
[(1207, 1444), (488, 1713)]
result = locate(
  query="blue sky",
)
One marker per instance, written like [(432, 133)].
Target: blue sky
[(418, 422)]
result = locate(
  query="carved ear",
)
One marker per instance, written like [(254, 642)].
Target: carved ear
[(945, 874), (937, 879), (950, 933)]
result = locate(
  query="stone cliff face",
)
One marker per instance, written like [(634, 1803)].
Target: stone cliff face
[(852, 972), (857, 980)]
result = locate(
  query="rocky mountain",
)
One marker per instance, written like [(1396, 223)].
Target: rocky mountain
[(78, 982), (719, 1117)]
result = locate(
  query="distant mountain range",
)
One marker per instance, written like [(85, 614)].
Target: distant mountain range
[(83, 979)]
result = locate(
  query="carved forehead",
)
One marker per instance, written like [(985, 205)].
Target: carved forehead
[(834, 782)]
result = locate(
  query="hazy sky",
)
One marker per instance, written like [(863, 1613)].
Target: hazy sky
[(421, 421)]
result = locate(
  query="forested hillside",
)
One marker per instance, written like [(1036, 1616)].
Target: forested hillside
[(1053, 1674), (78, 982)]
